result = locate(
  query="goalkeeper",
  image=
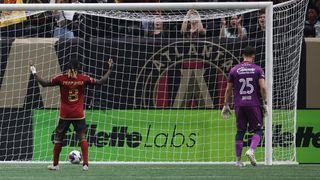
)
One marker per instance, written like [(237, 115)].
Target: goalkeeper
[(72, 86), (247, 82)]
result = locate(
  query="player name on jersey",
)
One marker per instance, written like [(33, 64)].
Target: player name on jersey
[(72, 83)]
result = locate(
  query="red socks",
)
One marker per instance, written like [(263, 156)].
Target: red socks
[(56, 153), (57, 149), (84, 149)]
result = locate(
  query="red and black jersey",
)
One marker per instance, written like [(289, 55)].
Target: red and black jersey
[(72, 95)]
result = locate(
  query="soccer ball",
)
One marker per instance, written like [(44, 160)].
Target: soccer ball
[(75, 157)]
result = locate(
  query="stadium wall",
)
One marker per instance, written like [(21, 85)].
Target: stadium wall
[(312, 69)]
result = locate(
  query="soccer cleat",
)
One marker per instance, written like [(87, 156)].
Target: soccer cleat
[(54, 168), (85, 167), (240, 164), (251, 157)]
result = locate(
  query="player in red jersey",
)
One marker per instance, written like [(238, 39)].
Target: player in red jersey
[(72, 86)]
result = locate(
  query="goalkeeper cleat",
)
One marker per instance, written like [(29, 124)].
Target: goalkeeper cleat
[(85, 167), (251, 157), (240, 164), (54, 168)]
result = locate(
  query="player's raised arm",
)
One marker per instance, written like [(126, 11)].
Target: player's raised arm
[(42, 82), (106, 75)]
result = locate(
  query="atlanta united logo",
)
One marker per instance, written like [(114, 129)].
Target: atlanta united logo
[(186, 74)]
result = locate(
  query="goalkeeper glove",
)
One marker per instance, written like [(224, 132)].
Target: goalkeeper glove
[(264, 109), (33, 69), (226, 111)]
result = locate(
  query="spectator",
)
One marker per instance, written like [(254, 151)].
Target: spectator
[(158, 29), (148, 26), (64, 22), (234, 29), (258, 31), (312, 22), (192, 26)]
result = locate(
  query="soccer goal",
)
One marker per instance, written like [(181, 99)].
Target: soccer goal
[(163, 99)]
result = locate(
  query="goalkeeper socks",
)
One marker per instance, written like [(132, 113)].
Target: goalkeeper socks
[(84, 149), (239, 145), (56, 153), (255, 140)]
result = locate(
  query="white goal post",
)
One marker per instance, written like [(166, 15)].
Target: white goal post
[(122, 123)]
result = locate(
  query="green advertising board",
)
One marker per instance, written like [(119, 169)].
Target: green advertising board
[(145, 135), (172, 135), (308, 136)]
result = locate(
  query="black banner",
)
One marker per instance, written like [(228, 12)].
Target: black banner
[(16, 134), (148, 72), (144, 66)]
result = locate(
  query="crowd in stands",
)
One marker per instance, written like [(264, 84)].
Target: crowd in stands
[(68, 24), (312, 23)]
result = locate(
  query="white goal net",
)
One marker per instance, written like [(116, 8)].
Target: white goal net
[(163, 99)]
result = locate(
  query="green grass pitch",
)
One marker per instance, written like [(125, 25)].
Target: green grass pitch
[(25, 171)]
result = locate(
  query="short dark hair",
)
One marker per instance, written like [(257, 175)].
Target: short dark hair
[(74, 63), (249, 51), (262, 11)]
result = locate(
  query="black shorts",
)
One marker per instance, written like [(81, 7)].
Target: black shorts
[(79, 126)]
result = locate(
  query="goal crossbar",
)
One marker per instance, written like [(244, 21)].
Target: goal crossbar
[(138, 6)]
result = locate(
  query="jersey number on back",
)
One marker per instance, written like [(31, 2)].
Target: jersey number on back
[(73, 95), (246, 86)]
